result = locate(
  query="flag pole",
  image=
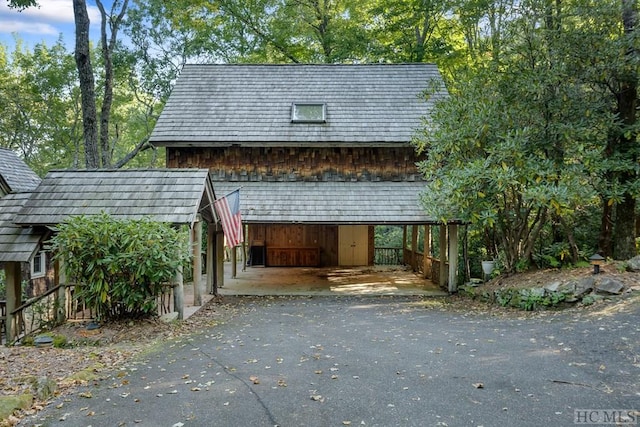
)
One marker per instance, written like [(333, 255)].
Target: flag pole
[(230, 192)]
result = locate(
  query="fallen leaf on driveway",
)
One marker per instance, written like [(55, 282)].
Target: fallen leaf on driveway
[(478, 385), (254, 379)]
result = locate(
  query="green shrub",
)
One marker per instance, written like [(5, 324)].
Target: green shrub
[(60, 341), (118, 266)]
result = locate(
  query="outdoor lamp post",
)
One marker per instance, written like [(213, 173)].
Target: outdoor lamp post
[(596, 260)]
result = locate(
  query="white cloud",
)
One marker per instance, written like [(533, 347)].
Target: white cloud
[(50, 18), (32, 28)]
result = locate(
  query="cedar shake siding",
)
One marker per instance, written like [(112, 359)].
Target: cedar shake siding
[(299, 164)]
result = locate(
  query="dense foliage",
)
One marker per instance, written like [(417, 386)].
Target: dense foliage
[(536, 138), (537, 147), (118, 267)]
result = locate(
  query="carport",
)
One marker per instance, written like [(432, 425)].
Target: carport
[(324, 209)]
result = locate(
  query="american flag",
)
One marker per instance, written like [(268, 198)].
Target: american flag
[(228, 209)]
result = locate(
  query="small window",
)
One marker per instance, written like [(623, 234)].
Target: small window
[(311, 112), (38, 265)]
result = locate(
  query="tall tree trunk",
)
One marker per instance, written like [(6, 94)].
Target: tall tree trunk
[(87, 85), (624, 230), (606, 230), (107, 99), (107, 54)]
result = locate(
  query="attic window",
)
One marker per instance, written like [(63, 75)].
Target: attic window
[(308, 112)]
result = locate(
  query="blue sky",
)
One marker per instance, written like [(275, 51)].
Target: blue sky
[(45, 23)]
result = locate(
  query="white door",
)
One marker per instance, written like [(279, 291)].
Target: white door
[(353, 245)]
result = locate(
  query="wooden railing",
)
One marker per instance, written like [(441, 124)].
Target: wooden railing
[(35, 314), (388, 256), (41, 312)]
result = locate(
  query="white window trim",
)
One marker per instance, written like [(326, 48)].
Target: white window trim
[(43, 265), (294, 119)]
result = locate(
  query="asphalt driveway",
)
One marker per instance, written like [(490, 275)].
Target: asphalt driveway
[(373, 361)]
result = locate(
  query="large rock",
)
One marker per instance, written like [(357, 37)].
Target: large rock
[(578, 288), (634, 263), (608, 285), (553, 286)]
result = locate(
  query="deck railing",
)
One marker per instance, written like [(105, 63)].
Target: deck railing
[(388, 256)]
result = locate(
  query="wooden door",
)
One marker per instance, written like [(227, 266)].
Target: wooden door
[(353, 245)]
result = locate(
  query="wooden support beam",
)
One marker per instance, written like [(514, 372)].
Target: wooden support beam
[(219, 259), (197, 261), (414, 248), (453, 257), (13, 280), (443, 256), (211, 257), (234, 262), (178, 293), (61, 279), (426, 260)]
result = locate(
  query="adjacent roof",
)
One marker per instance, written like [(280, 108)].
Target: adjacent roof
[(15, 172), (218, 104), (17, 244), (168, 195), (358, 202)]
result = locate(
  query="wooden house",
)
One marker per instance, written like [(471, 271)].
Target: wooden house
[(322, 153), (20, 248), (176, 196)]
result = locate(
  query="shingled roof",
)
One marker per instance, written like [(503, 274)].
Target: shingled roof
[(15, 172), (173, 196), (17, 244), (357, 202), (248, 104)]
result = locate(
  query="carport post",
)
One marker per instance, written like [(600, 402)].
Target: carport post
[(234, 261), (211, 254), (443, 256), (426, 262), (219, 259), (453, 257), (197, 261), (178, 293), (414, 247)]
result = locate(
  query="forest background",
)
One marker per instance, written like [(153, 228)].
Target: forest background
[(536, 148)]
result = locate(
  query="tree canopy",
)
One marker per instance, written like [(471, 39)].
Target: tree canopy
[(541, 132), (537, 145)]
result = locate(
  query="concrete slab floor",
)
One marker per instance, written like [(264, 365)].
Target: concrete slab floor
[(366, 280), (315, 281)]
